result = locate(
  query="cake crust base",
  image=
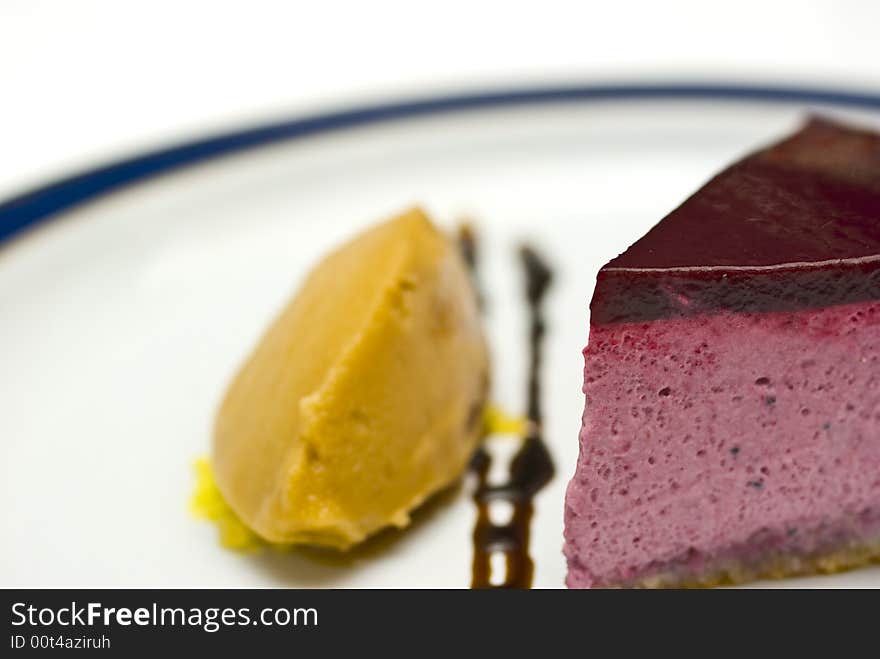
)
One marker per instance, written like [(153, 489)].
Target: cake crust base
[(774, 566)]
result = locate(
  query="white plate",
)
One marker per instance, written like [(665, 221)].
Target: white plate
[(122, 321)]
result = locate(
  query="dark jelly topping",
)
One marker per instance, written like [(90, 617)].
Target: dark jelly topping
[(796, 225)]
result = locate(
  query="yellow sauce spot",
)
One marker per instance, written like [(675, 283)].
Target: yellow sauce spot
[(498, 422), (207, 503)]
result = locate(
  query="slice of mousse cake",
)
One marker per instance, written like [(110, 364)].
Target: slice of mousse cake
[(732, 379)]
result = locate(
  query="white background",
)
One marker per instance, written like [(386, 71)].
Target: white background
[(82, 81)]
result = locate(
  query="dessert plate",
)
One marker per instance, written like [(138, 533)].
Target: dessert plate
[(127, 300)]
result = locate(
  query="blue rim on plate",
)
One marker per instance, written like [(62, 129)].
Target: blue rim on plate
[(38, 204)]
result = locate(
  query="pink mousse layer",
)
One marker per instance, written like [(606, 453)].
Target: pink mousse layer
[(725, 436)]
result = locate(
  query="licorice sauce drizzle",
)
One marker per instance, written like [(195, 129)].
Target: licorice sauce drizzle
[(531, 467)]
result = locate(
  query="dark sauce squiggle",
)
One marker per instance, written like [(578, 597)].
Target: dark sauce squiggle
[(467, 246), (531, 467)]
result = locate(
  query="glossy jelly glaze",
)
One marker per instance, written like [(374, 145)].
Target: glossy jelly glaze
[(732, 378), (794, 226)]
